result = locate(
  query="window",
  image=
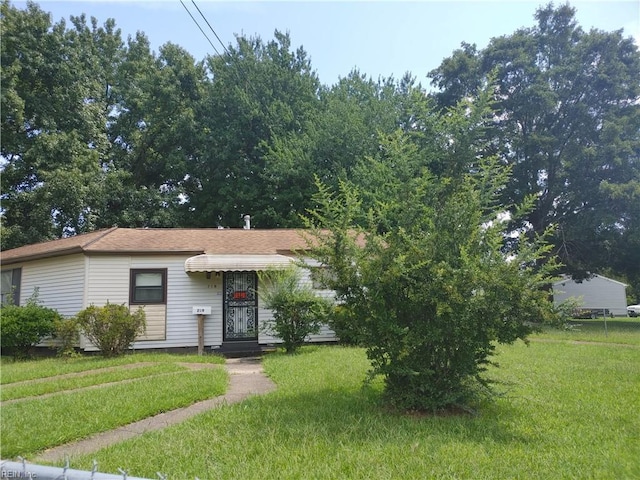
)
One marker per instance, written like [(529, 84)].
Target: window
[(11, 285), (322, 277), (148, 287)]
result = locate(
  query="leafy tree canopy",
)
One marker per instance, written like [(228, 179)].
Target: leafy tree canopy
[(99, 131), (568, 123)]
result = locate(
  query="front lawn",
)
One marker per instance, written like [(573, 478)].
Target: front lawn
[(568, 410), (19, 371), (96, 397)]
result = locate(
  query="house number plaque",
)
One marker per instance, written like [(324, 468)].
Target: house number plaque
[(202, 310)]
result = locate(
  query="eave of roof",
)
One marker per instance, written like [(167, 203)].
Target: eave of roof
[(566, 278), (167, 241), (52, 248)]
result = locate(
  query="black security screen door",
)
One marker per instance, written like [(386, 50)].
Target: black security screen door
[(240, 306)]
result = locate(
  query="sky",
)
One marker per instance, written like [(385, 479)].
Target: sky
[(379, 38)]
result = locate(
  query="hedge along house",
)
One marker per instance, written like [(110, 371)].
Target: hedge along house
[(175, 275), (596, 296)]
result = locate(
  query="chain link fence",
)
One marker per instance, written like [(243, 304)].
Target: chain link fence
[(23, 469)]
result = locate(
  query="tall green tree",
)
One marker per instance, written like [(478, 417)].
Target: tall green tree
[(353, 115), (154, 132), (343, 130), (568, 123), (259, 90), (95, 133), (54, 112)]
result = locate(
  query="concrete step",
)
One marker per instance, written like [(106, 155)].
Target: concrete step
[(243, 349)]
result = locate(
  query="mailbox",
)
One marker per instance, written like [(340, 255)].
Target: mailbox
[(201, 311)]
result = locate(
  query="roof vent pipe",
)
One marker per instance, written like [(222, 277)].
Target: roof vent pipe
[(247, 222)]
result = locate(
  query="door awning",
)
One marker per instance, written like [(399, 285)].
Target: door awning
[(235, 263)]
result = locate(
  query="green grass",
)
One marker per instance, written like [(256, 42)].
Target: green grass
[(32, 424), (49, 385), (19, 371), (620, 330), (569, 410)]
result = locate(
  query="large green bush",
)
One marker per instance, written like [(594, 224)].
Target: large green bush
[(112, 328), (297, 310), (26, 326), (428, 271)]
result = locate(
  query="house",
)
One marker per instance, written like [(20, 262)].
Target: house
[(197, 286), (596, 296)]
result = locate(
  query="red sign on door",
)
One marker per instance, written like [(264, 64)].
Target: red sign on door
[(239, 295)]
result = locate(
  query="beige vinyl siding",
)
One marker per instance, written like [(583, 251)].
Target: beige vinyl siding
[(109, 281), (266, 315), (155, 319), (325, 334), (185, 291), (59, 282)]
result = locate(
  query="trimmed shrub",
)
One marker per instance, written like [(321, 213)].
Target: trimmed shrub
[(112, 328), (26, 326), (67, 334)]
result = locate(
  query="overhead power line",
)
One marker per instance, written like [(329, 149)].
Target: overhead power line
[(241, 81), (196, 22), (210, 27)]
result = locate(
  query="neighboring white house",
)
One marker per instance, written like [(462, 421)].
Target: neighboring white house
[(173, 274), (597, 294)]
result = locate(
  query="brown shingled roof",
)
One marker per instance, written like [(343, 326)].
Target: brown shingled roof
[(164, 240)]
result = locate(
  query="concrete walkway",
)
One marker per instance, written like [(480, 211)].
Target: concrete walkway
[(246, 378)]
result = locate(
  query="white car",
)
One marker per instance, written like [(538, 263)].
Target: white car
[(633, 310)]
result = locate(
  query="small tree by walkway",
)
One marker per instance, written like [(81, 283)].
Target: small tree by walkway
[(297, 310)]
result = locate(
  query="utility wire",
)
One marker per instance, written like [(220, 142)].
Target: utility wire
[(195, 21), (214, 32), (240, 80)]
